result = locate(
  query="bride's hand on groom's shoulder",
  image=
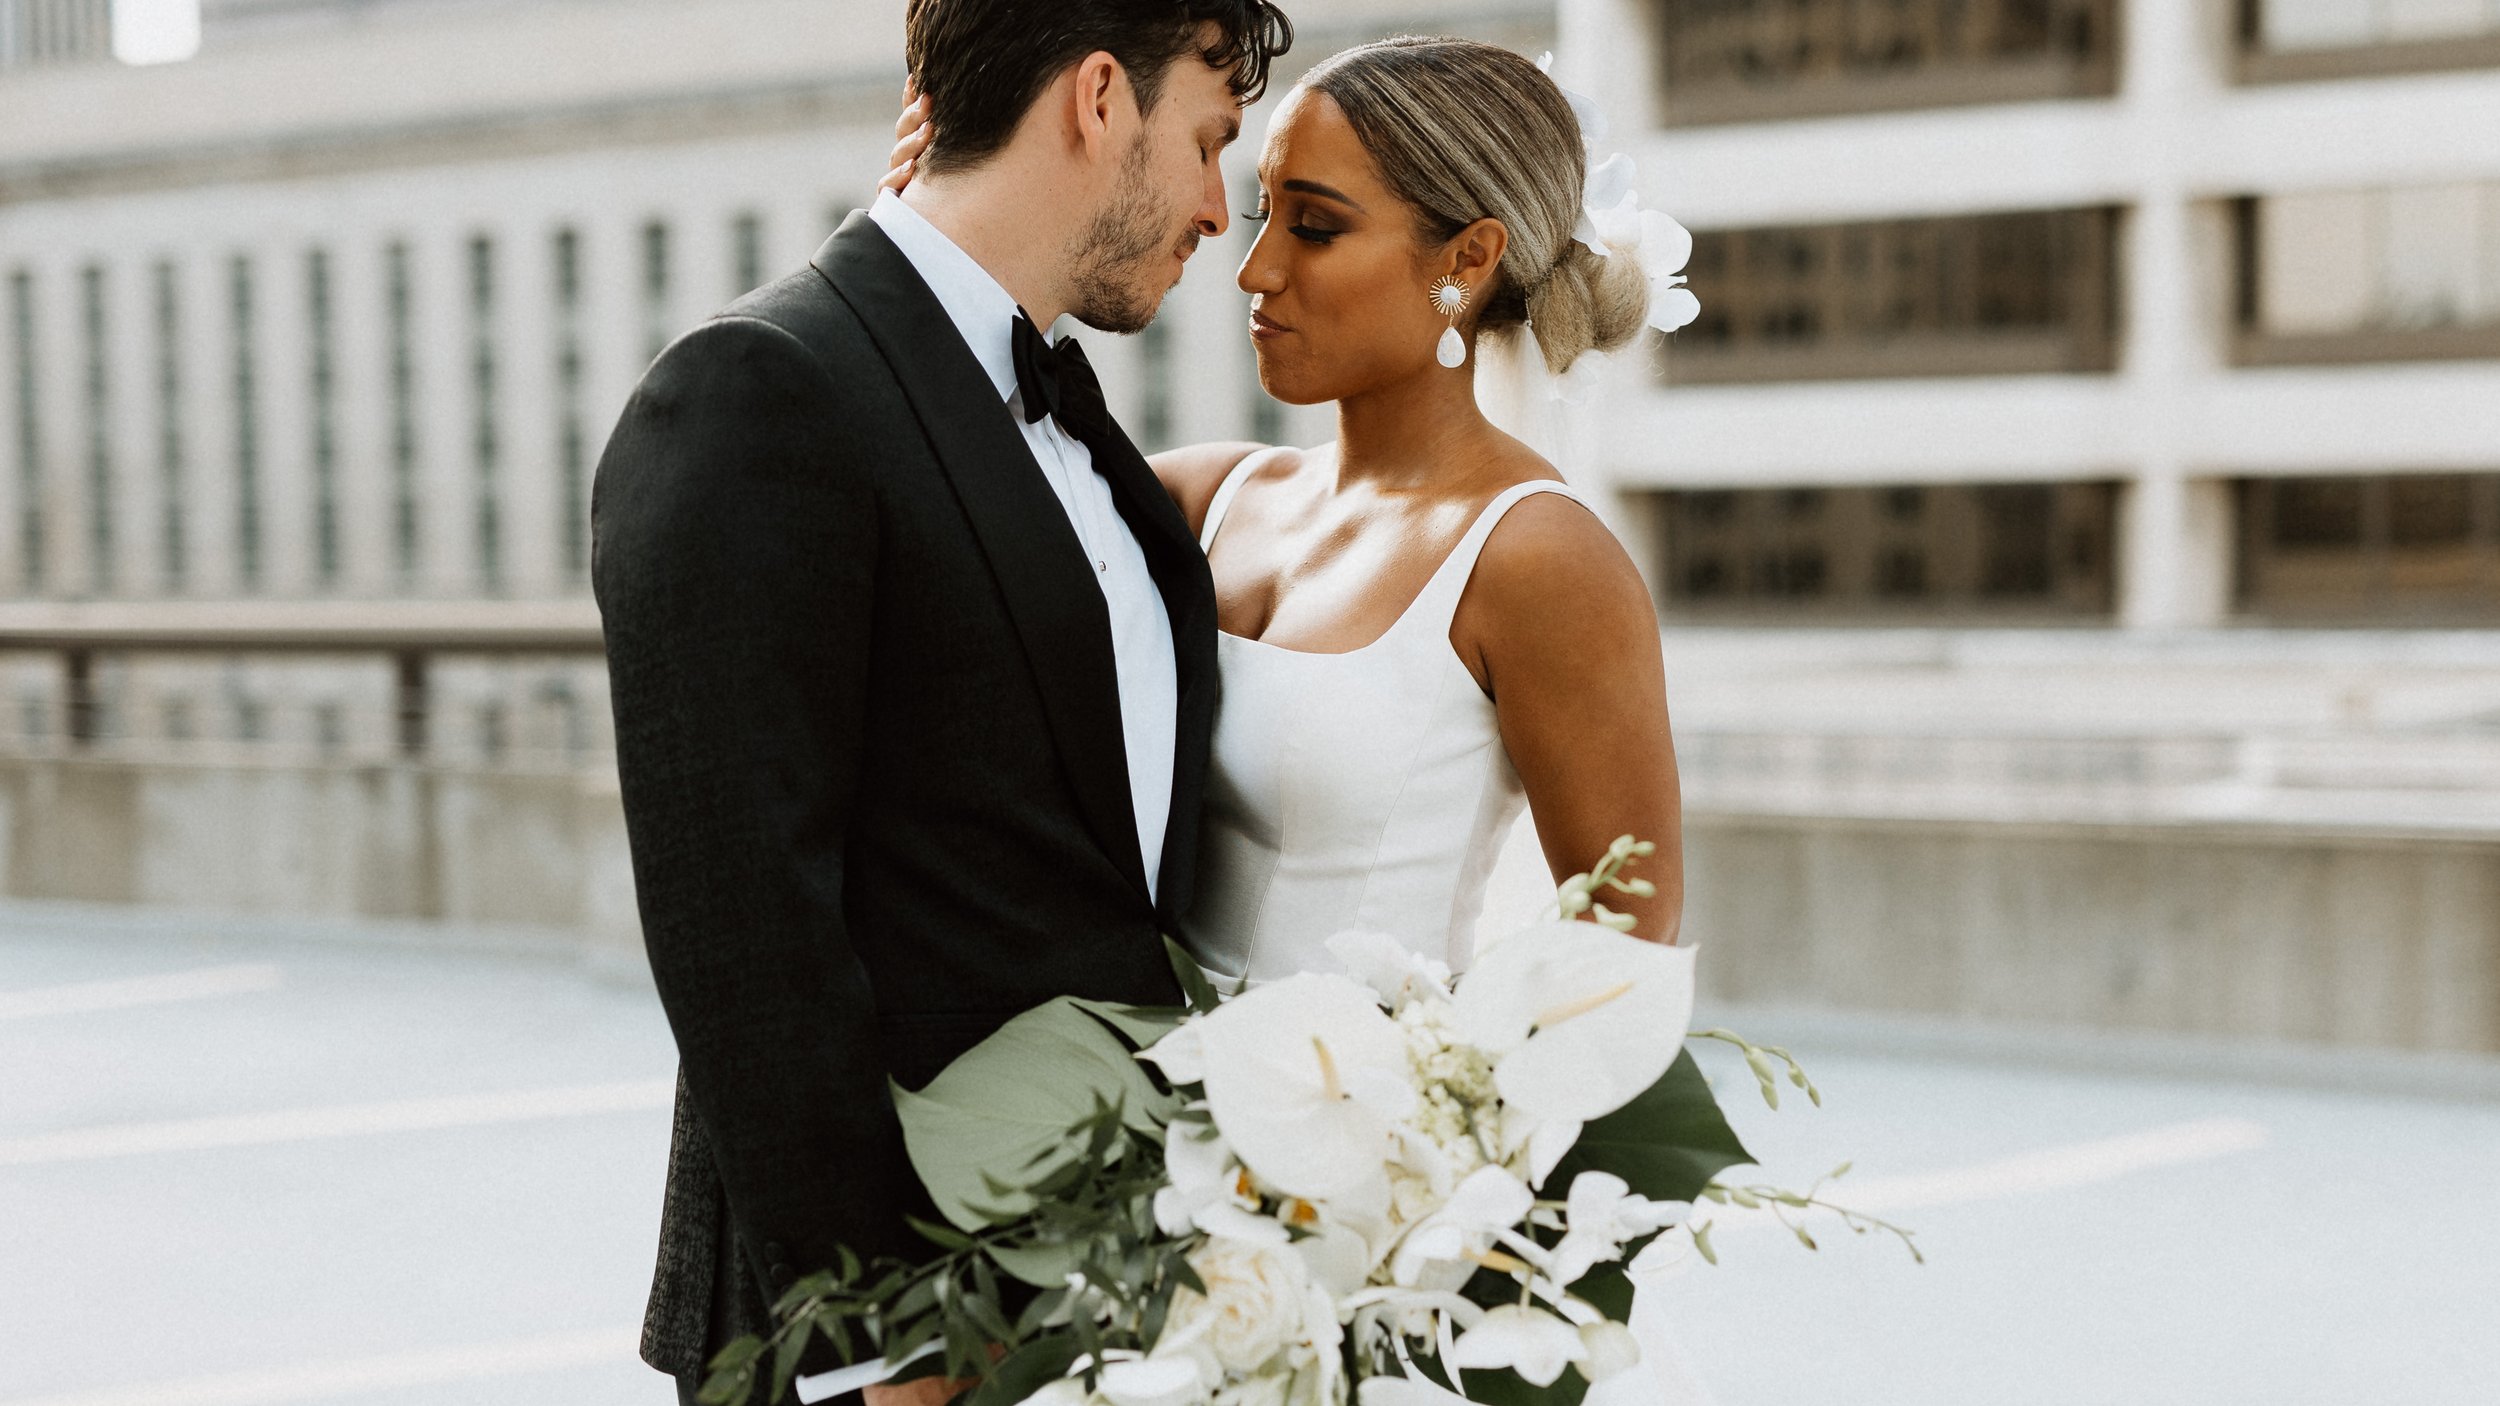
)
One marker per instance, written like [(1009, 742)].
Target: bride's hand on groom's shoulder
[(911, 137)]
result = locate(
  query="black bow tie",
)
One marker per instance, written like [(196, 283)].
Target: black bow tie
[(1058, 382)]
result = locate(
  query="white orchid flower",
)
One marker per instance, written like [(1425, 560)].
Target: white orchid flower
[(1199, 1173), (1389, 967), (1305, 1077), (1581, 1020), (1530, 1341), (1487, 1203), (1611, 1349), (1592, 117), (1603, 1214), (1406, 1391)]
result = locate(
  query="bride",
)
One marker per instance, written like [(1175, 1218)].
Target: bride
[(1422, 624)]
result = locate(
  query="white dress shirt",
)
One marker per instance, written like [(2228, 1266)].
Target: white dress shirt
[(1141, 629)]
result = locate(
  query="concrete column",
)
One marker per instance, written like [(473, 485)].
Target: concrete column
[(132, 419), (59, 379), (446, 467), (359, 295), (283, 318), (528, 479), (2175, 538)]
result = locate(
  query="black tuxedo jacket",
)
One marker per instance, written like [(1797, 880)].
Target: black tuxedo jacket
[(868, 732)]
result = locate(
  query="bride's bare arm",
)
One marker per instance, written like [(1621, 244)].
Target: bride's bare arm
[(1558, 626)]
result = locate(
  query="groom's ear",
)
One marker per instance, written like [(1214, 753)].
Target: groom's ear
[(1101, 105)]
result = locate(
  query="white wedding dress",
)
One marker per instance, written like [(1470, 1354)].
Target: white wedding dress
[(1370, 789)]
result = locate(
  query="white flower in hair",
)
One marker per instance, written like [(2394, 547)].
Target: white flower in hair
[(1613, 223)]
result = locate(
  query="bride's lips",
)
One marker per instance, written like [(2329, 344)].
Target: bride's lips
[(1262, 326)]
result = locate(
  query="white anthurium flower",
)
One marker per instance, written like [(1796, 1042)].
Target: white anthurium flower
[(1178, 1054), (1603, 1214), (1305, 1077), (1581, 1020), (1530, 1341), (1611, 1349), (1487, 1203), (1389, 967)]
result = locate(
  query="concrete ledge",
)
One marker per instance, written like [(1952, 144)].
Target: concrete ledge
[(1807, 1032)]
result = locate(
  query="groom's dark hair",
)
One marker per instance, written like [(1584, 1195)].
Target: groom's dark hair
[(984, 63)]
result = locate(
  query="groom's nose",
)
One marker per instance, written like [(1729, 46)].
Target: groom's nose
[(1212, 218)]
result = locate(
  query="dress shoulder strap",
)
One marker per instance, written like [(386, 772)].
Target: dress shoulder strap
[(1222, 502), (1439, 601)]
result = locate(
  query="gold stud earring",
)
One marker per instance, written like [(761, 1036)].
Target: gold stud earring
[(1449, 298)]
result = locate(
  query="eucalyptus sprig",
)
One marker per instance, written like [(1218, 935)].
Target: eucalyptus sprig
[(1091, 1226)]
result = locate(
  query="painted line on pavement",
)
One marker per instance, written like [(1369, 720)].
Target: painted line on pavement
[(322, 1381), (87, 997), (338, 1121), (2057, 1168)]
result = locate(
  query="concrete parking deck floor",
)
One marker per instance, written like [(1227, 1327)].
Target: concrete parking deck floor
[(239, 1169)]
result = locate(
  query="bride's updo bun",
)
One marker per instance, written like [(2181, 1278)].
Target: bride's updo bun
[(1465, 131)]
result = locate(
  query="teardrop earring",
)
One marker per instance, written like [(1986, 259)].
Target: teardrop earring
[(1449, 298)]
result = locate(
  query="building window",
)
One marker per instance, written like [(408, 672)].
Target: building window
[(2030, 291), (2304, 40), (246, 391), (746, 251), (402, 357), (572, 445), (1154, 388), (2390, 549), (486, 446), (99, 397), (2410, 273), (325, 438), (173, 547), (2008, 551), (30, 524), (1759, 60), (657, 327)]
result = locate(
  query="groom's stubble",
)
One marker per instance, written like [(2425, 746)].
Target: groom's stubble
[(1115, 264)]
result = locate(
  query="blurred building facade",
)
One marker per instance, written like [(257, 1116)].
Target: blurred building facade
[(2098, 350), (2144, 313)]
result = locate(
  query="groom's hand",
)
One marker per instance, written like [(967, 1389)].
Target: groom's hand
[(926, 1391)]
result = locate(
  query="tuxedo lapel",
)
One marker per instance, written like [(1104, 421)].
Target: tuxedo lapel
[(1180, 572), (1024, 532)]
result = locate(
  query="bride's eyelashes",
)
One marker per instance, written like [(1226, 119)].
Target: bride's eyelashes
[(1308, 234)]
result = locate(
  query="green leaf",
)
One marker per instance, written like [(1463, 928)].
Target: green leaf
[(1042, 1266), (786, 1360), (1008, 1108), (944, 1237), (1194, 984), (1025, 1371), (1502, 1387), (1137, 1026), (1666, 1144)]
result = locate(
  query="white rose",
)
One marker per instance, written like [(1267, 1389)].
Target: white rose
[(1253, 1304)]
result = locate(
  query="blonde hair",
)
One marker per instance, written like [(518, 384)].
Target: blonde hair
[(1465, 131)]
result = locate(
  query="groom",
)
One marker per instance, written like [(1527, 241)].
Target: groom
[(912, 661)]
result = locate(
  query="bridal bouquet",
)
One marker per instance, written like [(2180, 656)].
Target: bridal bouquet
[(1380, 1185)]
